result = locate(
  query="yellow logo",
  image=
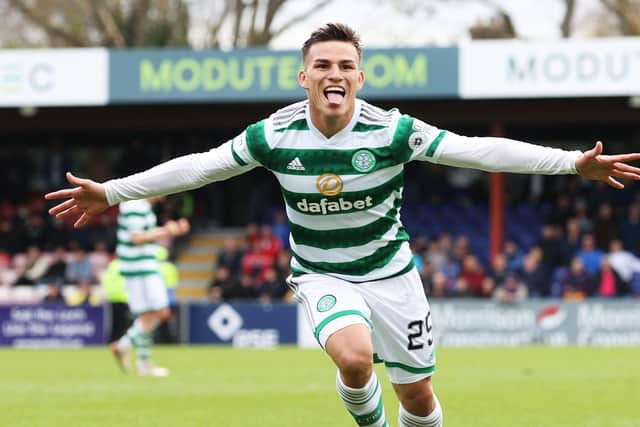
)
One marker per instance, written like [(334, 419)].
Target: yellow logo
[(329, 184)]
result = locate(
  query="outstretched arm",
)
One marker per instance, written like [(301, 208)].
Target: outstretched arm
[(88, 197), (505, 155), (594, 165)]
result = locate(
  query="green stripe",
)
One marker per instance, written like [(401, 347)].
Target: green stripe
[(362, 127), (376, 196), (126, 243), (235, 155), (297, 125), (317, 161), (138, 214), (400, 144), (434, 145), (357, 402), (347, 237), (257, 143), (138, 273), (337, 315), (427, 370), (360, 267), (136, 258), (370, 418)]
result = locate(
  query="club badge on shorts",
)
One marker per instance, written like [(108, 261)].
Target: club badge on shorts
[(326, 303)]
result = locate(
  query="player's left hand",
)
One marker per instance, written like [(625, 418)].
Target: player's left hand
[(594, 165)]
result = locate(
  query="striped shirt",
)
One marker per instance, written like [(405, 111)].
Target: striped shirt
[(136, 260), (342, 194)]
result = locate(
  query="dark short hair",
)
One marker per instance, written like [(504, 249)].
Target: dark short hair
[(332, 32)]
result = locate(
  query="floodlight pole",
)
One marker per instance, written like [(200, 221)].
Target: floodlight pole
[(496, 204)]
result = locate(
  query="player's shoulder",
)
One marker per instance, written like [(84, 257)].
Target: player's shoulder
[(373, 115), (292, 116)]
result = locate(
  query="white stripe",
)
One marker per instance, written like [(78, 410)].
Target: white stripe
[(349, 254), (346, 220), (136, 266), (307, 184), (137, 222), (138, 250)]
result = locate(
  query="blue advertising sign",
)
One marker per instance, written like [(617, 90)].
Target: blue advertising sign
[(51, 326), (243, 324), (249, 75)]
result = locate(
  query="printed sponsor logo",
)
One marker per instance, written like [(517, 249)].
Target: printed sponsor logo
[(329, 184), (324, 206)]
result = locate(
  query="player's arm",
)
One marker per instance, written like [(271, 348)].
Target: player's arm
[(169, 229), (88, 197), (506, 155)]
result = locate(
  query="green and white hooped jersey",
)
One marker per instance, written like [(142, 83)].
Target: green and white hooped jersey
[(343, 194), (136, 260)]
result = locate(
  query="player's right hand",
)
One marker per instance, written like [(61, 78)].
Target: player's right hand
[(86, 199)]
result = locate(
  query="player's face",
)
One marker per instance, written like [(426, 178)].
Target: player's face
[(332, 77)]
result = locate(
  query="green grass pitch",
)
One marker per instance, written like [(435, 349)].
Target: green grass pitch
[(218, 386)]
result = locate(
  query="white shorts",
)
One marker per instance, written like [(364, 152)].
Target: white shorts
[(146, 293), (395, 310)]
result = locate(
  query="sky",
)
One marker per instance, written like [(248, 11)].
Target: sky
[(381, 25)]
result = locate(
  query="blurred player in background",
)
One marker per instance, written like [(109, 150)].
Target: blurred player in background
[(339, 161), (147, 294)]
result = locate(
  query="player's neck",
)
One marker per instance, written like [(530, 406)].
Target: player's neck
[(330, 125)]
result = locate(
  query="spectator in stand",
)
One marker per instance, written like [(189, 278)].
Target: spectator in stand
[(280, 227), (255, 262), (514, 255), (461, 289), (440, 286), (99, 258), (630, 229), (272, 289), (605, 228), (590, 256), (269, 244), (561, 211), (473, 274), (581, 214), (578, 283), (34, 268), (510, 290), (436, 255), (551, 245), (461, 249), (230, 257), (499, 269), (572, 240), (534, 276), (624, 263), (221, 285), (247, 288), (79, 269), (57, 270), (54, 295), (608, 282)]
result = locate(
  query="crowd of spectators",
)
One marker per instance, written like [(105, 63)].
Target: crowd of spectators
[(254, 266)]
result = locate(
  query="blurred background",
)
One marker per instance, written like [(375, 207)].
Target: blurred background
[(105, 89)]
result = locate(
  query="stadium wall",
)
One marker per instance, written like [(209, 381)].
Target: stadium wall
[(457, 323)]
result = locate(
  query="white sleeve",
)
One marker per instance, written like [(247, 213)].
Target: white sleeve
[(183, 173), (503, 155)]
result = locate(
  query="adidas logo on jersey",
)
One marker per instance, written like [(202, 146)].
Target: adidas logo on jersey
[(295, 165)]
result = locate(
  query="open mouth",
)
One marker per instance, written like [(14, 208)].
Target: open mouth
[(334, 94)]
